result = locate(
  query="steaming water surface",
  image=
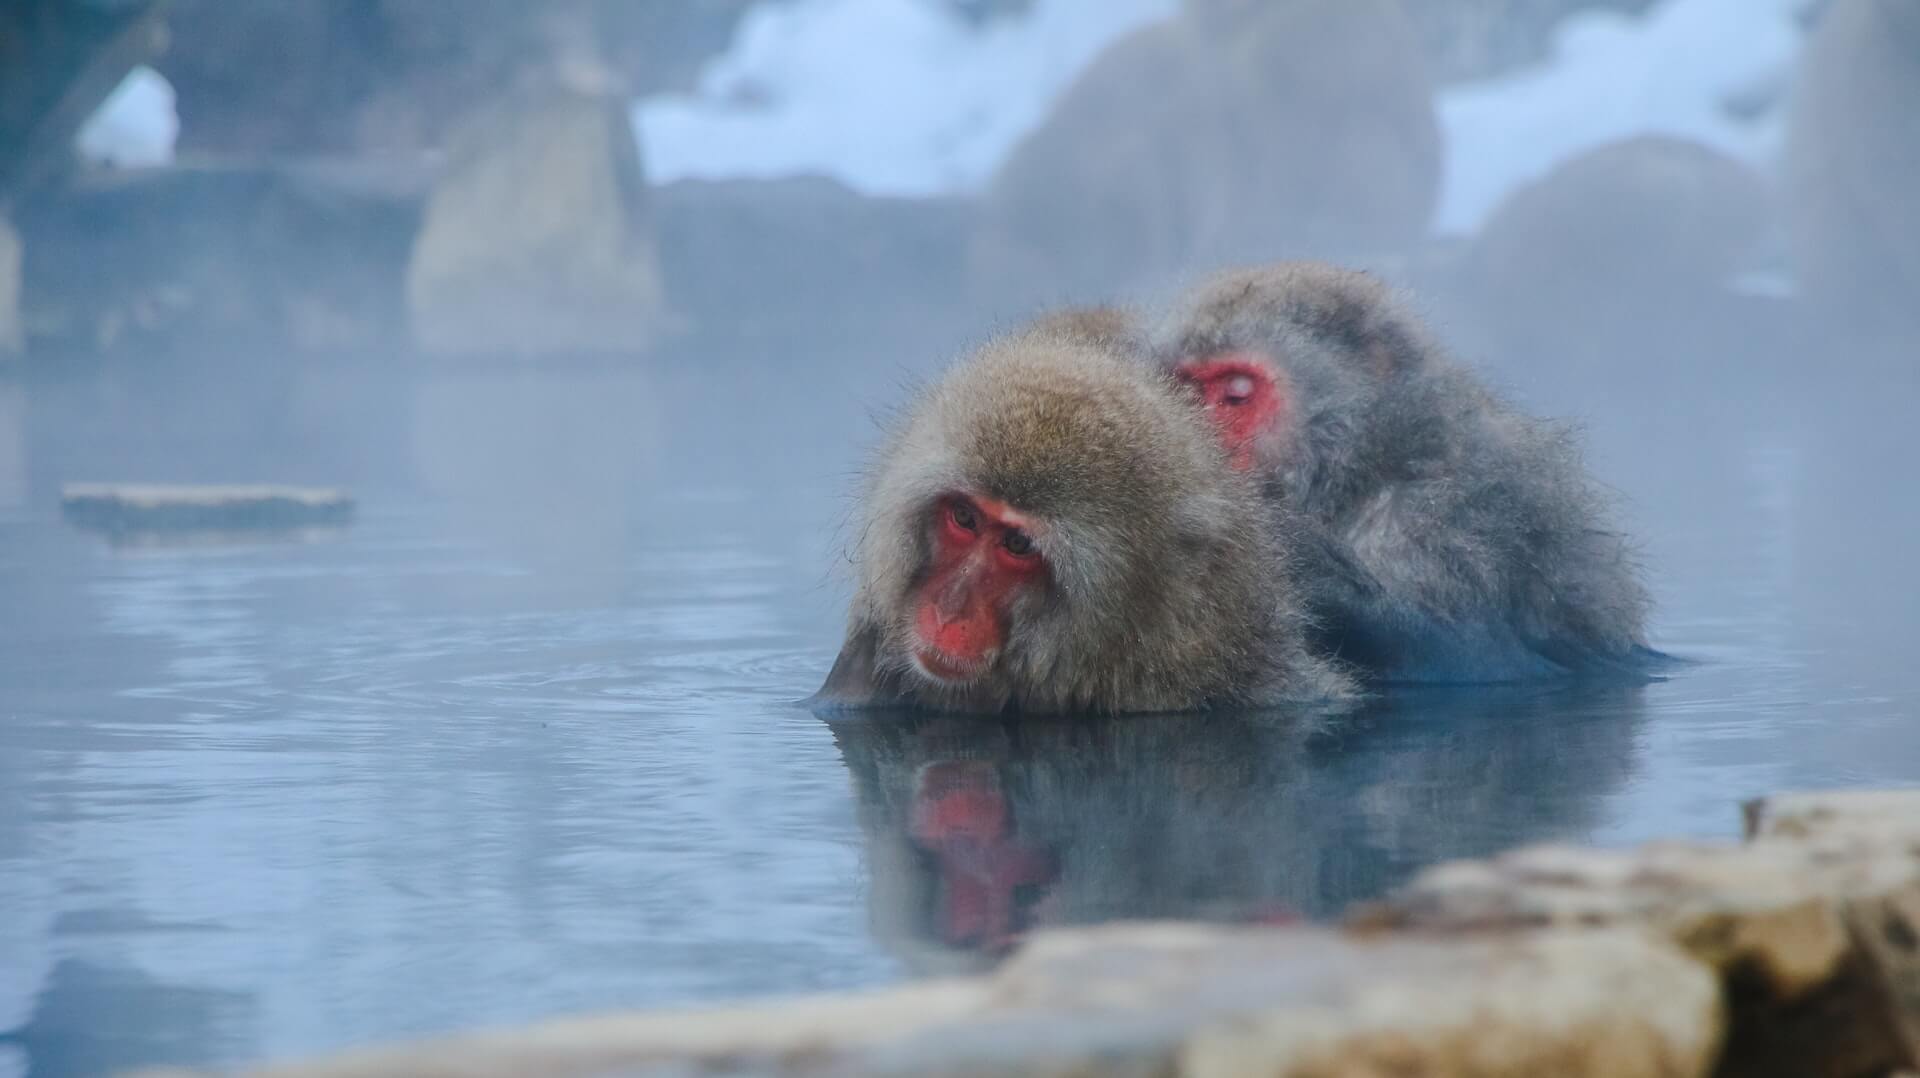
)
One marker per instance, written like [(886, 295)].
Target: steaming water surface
[(486, 757)]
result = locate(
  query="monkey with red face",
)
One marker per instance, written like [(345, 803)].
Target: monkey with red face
[(1053, 529), (1449, 537)]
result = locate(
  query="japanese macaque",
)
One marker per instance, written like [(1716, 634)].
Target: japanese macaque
[(1052, 529), (1450, 538)]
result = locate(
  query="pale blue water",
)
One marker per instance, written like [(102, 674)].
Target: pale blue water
[(522, 741)]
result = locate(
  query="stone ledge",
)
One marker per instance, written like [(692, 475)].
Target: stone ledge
[(1812, 926), (1795, 953), (1164, 999)]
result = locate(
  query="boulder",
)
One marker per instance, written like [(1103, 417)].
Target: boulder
[(1235, 132), (1628, 222), (1810, 926), (58, 62), (536, 238), (229, 258), (758, 264), (396, 76), (1476, 39), (1634, 239), (1853, 150)]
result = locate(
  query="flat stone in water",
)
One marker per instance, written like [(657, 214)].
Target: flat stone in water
[(121, 509)]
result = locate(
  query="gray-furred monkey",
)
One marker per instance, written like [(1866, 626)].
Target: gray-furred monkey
[(1053, 529), (1449, 537)]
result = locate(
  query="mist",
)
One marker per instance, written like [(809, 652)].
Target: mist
[(599, 311)]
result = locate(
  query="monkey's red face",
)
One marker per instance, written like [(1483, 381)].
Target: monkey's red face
[(983, 558), (1244, 394)]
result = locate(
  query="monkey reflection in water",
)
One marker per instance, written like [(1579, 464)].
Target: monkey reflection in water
[(979, 830)]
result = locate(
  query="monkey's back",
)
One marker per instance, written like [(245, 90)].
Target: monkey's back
[(1491, 556)]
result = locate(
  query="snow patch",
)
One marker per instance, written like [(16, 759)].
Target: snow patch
[(1672, 71), (901, 97), (136, 126), (891, 97)]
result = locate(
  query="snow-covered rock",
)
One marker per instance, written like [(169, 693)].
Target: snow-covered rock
[(905, 98), (136, 126), (1681, 69), (888, 96)]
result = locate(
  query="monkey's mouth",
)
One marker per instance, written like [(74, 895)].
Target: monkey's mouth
[(938, 666)]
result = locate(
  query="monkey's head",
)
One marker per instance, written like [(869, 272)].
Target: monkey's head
[(1292, 363), (1052, 529), (1114, 327)]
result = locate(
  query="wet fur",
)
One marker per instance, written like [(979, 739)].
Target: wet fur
[(1167, 587), (1451, 538)]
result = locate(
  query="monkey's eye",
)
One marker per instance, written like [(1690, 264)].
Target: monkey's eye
[(964, 516), (1018, 543), (1238, 390)]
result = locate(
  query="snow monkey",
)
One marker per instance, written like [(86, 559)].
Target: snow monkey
[(1053, 529), (1447, 537)]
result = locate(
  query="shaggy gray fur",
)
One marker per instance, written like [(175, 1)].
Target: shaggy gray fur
[(1453, 539)]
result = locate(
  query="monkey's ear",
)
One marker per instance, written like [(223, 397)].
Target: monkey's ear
[(852, 682), (1363, 318), (1393, 347)]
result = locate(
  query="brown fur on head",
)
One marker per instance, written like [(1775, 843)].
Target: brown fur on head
[(1113, 326), (1163, 585), (1334, 343)]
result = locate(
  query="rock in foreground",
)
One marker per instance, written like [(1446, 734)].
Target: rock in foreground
[(1172, 999), (1812, 926)]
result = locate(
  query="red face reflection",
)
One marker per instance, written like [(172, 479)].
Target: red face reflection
[(989, 880)]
